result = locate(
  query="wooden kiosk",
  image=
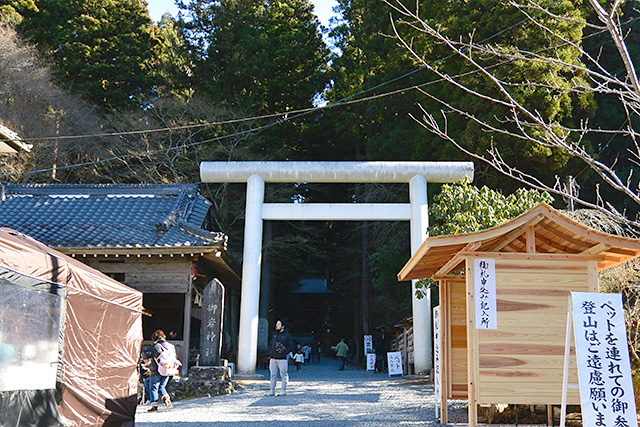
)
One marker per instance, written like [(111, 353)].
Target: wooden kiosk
[(540, 257)]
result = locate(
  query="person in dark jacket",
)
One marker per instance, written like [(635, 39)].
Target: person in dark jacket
[(315, 353), (382, 347), (157, 382), (280, 346), (351, 354)]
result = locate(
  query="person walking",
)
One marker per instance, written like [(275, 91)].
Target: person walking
[(306, 350), (280, 346), (298, 358), (144, 366), (158, 382), (381, 347), (341, 351), (351, 354), (315, 353)]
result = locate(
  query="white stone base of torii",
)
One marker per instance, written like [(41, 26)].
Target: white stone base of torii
[(255, 174)]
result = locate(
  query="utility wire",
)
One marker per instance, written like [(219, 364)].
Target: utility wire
[(294, 114), (341, 101)]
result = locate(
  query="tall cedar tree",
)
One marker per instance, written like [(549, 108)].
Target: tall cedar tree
[(266, 55), (371, 56), (174, 65), (371, 62), (103, 48), (381, 129)]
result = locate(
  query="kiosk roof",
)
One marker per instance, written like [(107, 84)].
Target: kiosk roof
[(540, 232)]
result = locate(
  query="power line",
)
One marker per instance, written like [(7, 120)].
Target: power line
[(290, 115), (281, 114)]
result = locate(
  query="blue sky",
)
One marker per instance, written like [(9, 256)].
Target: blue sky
[(157, 8)]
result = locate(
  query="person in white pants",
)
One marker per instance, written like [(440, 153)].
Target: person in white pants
[(280, 346)]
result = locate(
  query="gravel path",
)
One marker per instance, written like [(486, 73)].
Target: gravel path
[(320, 395)]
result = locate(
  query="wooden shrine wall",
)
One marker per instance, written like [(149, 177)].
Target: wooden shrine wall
[(454, 324), (522, 361), (154, 275)]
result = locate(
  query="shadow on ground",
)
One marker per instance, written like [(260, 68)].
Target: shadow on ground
[(317, 423), (316, 399)]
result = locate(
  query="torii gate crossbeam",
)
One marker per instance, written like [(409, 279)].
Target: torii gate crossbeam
[(255, 174)]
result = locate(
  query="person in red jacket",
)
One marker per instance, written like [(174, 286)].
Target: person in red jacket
[(280, 346)]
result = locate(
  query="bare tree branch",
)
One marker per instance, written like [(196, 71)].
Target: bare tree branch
[(521, 122)]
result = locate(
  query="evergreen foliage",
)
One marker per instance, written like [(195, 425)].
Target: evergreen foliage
[(174, 62), (103, 49), (464, 208), (266, 56), (229, 59)]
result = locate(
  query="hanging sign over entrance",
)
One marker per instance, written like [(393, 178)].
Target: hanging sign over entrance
[(485, 293)]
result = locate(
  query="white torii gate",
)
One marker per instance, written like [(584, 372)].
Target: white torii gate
[(255, 174)]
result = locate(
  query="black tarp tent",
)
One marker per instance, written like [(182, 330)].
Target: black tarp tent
[(31, 342)]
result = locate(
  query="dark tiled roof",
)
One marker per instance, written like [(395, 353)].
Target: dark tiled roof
[(109, 215)]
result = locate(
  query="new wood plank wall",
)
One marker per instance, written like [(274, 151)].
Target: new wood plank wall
[(456, 337), (521, 362)]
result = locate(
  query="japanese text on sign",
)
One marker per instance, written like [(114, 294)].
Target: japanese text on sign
[(394, 360), (606, 390), (485, 293), (368, 344), (371, 361), (436, 356)]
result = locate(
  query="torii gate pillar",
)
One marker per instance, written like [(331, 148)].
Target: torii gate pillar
[(421, 308), (255, 174), (251, 266)]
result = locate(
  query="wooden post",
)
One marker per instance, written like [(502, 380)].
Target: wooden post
[(186, 332), (405, 338), (592, 267), (471, 345), (531, 239), (565, 372)]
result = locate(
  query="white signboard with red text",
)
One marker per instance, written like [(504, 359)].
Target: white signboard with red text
[(394, 360), (371, 362), (368, 344)]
